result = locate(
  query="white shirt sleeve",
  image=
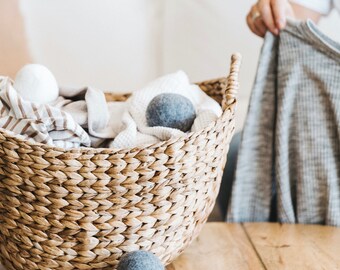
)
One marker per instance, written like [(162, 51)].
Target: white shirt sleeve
[(321, 6)]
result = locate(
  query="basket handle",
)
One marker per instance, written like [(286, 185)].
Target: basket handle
[(230, 89)]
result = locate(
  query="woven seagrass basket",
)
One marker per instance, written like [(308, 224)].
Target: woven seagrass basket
[(84, 208)]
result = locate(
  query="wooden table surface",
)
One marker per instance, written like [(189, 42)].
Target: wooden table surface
[(273, 246), (222, 246)]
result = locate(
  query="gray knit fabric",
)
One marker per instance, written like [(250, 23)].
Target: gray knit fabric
[(290, 144)]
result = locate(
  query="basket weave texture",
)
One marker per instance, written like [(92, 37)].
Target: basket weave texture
[(84, 208)]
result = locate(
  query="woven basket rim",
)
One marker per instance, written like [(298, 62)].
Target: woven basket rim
[(186, 136), (230, 100)]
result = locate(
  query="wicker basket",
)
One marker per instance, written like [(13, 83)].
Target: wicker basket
[(84, 208)]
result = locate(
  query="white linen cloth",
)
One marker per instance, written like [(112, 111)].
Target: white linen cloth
[(135, 130), (64, 122), (123, 124), (89, 109)]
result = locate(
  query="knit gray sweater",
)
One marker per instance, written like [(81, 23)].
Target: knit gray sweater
[(289, 157)]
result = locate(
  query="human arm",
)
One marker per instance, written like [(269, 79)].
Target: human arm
[(272, 15)]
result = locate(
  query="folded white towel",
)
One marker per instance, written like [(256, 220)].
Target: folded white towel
[(135, 130)]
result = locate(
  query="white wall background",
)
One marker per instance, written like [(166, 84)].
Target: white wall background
[(120, 45)]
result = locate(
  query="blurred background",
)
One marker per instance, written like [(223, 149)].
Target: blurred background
[(120, 45)]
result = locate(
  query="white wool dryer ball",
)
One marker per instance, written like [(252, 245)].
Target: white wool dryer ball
[(36, 83)]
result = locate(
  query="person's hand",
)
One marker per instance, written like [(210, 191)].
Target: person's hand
[(269, 15)]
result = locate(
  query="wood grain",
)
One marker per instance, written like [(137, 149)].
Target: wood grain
[(220, 246), (13, 46), (327, 239), (227, 246), (295, 246)]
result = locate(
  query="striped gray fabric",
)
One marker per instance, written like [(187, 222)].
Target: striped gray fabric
[(38, 123), (290, 147)]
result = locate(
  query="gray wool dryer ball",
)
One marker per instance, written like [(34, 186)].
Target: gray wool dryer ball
[(171, 110), (140, 260)]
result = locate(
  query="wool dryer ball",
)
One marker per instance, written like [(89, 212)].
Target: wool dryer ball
[(140, 260), (36, 83), (171, 110)]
